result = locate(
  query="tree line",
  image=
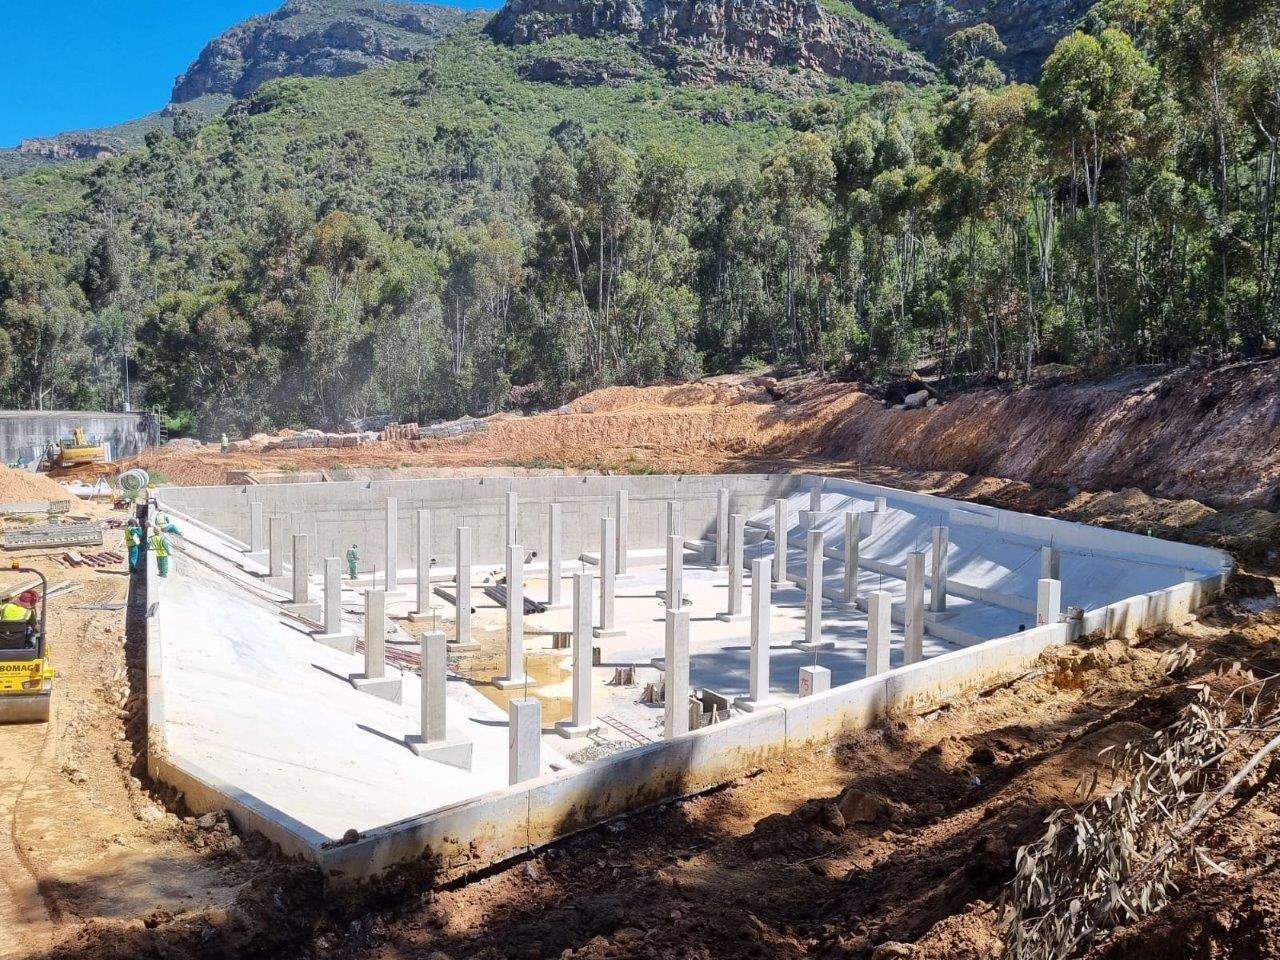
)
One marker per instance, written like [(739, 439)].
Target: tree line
[(1122, 210)]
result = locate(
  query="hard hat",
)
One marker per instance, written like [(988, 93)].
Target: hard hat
[(28, 598)]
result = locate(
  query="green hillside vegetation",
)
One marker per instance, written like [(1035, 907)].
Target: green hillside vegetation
[(443, 236)]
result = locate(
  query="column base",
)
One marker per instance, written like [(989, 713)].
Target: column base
[(562, 605), (453, 752), (812, 647), (307, 611), (258, 557), (612, 633), (751, 706), (342, 642), (567, 730), (469, 646), (510, 683), (385, 688), (733, 617)]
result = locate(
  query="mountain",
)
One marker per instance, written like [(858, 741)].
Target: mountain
[(712, 40), (1028, 28), (302, 38), (315, 38)]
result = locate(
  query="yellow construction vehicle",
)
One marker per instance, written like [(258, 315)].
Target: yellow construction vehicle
[(76, 456), (26, 675)]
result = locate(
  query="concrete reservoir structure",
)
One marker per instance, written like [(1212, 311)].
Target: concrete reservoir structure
[(26, 433), (437, 709)]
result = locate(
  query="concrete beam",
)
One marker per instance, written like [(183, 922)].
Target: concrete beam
[(581, 723), (675, 675), (524, 743), (758, 695), (515, 675)]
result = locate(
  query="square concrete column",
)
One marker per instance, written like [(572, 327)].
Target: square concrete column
[(1048, 601), (301, 567), (393, 544), (275, 547), (938, 583), (524, 742), (879, 631), (462, 590), (374, 679), (913, 618), (422, 563), (433, 741), (333, 634), (554, 537), (674, 594), (852, 556), (815, 500), (813, 680), (511, 520), (608, 557), (1050, 563), (515, 675), (675, 675), (781, 532), (882, 505), (623, 516), (761, 611), (580, 724), (257, 528), (813, 595), (736, 610), (675, 518), (722, 528)]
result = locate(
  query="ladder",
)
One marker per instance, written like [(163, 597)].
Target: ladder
[(162, 426)]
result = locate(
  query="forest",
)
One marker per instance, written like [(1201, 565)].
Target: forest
[(465, 241)]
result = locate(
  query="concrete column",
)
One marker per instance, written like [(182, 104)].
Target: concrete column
[(780, 533), (608, 557), (722, 528), (761, 612), (333, 635), (938, 588), (374, 680), (511, 519), (1050, 563), (433, 739), (913, 619), (393, 544), (301, 566), (674, 594), (581, 723), (553, 557), (879, 631), (852, 556), (257, 528), (462, 590), (882, 505), (1048, 601), (675, 675), (275, 546), (515, 675), (736, 609), (813, 593), (422, 534), (524, 743), (623, 516), (675, 518), (815, 500), (813, 680)]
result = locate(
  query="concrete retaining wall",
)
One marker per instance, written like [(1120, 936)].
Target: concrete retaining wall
[(27, 432)]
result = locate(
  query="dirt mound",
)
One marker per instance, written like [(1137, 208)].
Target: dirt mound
[(19, 485)]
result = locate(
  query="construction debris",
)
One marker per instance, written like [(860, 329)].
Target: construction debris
[(107, 558), (498, 594), (448, 596)]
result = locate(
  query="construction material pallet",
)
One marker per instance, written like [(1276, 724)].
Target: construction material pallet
[(106, 558), (53, 535)]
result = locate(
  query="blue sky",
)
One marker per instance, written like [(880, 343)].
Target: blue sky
[(72, 64)]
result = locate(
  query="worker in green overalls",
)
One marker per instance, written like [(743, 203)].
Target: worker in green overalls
[(353, 558), (160, 547), (133, 541)]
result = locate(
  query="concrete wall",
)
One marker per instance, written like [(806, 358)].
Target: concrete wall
[(25, 431), (336, 515)]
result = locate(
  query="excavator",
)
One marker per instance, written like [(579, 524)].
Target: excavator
[(77, 456), (26, 674)]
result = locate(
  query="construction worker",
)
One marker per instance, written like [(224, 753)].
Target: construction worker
[(226, 444), (353, 558), (22, 609), (164, 524), (160, 547), (133, 540)]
